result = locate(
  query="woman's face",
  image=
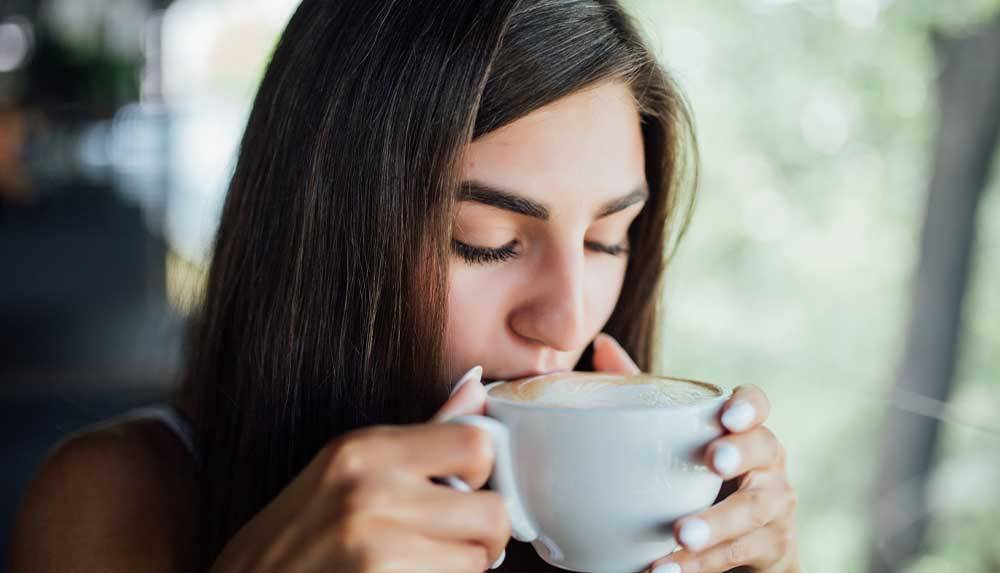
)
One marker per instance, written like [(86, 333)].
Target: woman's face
[(547, 201)]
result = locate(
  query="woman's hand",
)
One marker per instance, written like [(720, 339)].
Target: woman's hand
[(752, 527), (366, 503)]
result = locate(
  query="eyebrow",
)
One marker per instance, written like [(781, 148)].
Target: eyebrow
[(509, 201)]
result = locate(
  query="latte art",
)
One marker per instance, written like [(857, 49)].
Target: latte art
[(602, 390)]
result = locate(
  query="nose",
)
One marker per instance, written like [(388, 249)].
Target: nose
[(555, 311)]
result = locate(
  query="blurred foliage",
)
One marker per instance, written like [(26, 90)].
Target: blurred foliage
[(816, 123), (952, 16)]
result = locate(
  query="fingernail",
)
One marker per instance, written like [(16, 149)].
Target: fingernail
[(738, 416), (726, 459), (694, 534), (607, 338), (499, 559), (476, 373), (452, 407), (667, 568), (454, 482)]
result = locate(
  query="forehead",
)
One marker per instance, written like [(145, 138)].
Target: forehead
[(587, 145)]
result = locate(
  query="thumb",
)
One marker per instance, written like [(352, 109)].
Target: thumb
[(467, 397), (609, 356)]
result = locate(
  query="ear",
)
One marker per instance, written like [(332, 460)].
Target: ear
[(609, 356)]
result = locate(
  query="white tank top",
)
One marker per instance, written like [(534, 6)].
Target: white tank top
[(171, 418)]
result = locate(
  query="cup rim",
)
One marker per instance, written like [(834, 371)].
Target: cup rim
[(725, 393)]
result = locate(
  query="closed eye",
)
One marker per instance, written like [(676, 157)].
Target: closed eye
[(616, 250), (489, 255)]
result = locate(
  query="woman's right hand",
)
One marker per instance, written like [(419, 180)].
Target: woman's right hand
[(366, 503)]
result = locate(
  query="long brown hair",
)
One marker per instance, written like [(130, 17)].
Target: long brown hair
[(325, 302)]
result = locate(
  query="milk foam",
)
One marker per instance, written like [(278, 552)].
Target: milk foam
[(596, 390)]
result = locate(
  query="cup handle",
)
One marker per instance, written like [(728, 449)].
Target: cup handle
[(502, 476)]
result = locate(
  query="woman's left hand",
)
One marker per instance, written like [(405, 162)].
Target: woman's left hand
[(751, 527)]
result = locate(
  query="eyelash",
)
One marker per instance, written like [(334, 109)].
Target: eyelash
[(485, 256)]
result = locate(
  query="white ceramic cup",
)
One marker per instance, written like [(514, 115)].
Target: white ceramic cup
[(598, 489)]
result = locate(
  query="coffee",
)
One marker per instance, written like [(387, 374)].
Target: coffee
[(604, 390)]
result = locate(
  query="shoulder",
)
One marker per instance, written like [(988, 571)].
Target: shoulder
[(119, 495)]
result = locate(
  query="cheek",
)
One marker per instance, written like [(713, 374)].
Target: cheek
[(475, 315), (603, 291)]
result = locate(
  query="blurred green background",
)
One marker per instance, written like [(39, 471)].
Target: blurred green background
[(816, 124)]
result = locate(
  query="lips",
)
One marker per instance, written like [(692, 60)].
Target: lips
[(526, 374)]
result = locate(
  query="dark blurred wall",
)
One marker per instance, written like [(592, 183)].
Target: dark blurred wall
[(86, 330)]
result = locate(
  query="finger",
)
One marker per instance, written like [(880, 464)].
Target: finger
[(423, 450), (387, 548), (459, 557), (735, 454), (479, 516), (759, 548), (418, 553), (609, 356), (746, 408), (467, 397), (748, 509), (454, 556)]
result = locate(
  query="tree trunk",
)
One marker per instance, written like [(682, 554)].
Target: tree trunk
[(968, 95)]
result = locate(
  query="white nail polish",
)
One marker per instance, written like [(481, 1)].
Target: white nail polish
[(455, 482), (499, 559), (667, 568), (695, 533), (739, 416), (476, 373), (726, 459)]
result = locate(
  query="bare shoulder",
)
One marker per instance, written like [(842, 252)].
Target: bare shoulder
[(117, 496)]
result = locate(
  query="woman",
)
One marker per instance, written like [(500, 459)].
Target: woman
[(424, 189)]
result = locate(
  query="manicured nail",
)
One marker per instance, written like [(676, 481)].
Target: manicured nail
[(454, 404), (667, 568), (454, 482), (695, 533), (739, 416), (726, 459), (476, 373), (499, 559)]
